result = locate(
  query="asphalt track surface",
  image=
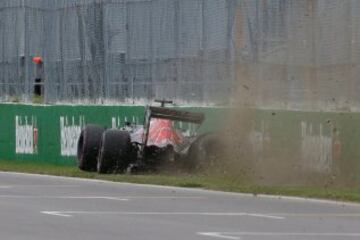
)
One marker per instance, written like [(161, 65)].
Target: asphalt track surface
[(34, 207)]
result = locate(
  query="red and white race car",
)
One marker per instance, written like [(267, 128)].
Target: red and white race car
[(146, 146)]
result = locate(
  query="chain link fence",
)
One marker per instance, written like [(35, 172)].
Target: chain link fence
[(302, 54), (297, 54), (116, 51)]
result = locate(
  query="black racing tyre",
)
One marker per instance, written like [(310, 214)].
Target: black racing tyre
[(88, 147), (115, 151), (203, 152)]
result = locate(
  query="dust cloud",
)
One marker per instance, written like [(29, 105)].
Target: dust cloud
[(257, 158)]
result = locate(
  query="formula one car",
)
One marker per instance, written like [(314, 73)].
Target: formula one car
[(146, 147)]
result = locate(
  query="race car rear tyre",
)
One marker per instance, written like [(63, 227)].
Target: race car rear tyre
[(203, 152), (115, 149), (88, 147)]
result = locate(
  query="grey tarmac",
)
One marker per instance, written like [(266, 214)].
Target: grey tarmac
[(36, 207)]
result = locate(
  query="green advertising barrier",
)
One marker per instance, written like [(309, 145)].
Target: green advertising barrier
[(314, 141), (324, 143), (50, 133)]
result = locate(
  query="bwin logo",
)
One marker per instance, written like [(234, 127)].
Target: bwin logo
[(26, 135), (70, 131)]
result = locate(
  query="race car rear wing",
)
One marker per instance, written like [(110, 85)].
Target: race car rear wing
[(166, 113), (176, 115)]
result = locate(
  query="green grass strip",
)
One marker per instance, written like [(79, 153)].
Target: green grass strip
[(204, 181)]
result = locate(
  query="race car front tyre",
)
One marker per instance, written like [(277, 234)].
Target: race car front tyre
[(115, 149), (88, 147)]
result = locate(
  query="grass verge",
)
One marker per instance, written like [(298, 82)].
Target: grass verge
[(205, 181)]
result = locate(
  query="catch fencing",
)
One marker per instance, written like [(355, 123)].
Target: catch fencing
[(116, 51), (289, 54), (302, 54)]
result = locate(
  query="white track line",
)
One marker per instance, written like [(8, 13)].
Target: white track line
[(218, 235), (239, 235), (165, 197), (208, 214), (328, 215), (64, 197), (120, 198), (275, 216), (45, 186), (58, 214)]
